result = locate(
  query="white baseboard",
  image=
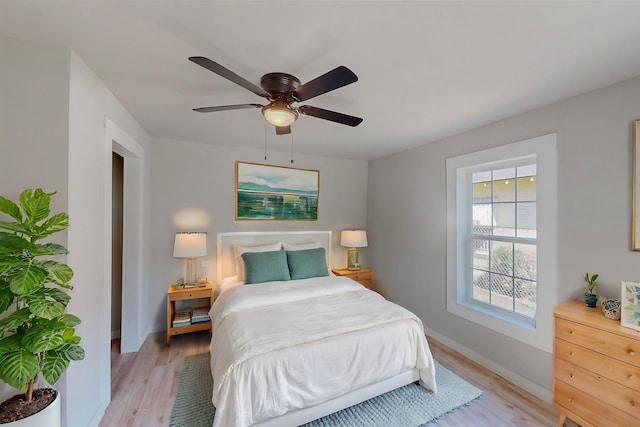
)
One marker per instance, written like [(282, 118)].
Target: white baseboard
[(520, 381)]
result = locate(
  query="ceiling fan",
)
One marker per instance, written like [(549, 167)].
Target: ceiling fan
[(282, 90)]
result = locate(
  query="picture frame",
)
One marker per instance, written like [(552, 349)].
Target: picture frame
[(630, 305), (635, 222), (268, 192)]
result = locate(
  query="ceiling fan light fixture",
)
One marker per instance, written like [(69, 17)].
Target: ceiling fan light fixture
[(279, 113)]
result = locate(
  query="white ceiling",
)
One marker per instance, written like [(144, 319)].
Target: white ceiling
[(426, 69)]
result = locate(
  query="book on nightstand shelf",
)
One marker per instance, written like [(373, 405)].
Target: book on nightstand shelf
[(200, 314), (182, 318)]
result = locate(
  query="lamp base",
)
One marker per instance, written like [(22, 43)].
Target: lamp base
[(353, 259)]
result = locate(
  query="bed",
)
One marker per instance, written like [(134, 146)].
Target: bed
[(290, 350)]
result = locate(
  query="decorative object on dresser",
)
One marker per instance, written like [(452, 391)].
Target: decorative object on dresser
[(353, 239), (364, 276), (190, 245), (596, 368), (183, 321), (590, 297), (265, 192), (611, 308), (630, 309)]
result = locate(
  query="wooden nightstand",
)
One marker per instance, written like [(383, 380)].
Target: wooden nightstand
[(174, 295), (362, 276)]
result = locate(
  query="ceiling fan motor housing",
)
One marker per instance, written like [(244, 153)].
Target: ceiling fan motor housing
[(279, 85)]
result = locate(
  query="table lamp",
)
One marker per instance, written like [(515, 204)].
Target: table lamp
[(353, 239), (190, 245)]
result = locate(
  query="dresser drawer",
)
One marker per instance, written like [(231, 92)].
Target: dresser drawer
[(601, 388), (616, 346), (622, 373), (591, 409)]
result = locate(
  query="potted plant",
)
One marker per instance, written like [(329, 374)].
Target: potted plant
[(590, 297), (37, 335)]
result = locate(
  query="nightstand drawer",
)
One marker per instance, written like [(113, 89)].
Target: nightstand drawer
[(191, 294), (360, 276)]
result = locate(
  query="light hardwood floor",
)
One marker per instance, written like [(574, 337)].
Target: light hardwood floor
[(143, 386)]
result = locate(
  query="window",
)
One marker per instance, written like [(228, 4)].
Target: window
[(501, 209)]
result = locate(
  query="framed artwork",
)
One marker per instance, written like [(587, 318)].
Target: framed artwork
[(630, 310), (265, 192), (635, 224)]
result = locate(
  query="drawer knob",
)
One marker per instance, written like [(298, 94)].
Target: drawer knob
[(632, 403), (630, 377), (571, 353), (572, 332), (632, 353)]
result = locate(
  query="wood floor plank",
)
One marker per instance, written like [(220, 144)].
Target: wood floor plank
[(144, 385)]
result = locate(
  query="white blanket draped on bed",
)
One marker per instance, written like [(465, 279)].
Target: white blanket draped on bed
[(265, 362)]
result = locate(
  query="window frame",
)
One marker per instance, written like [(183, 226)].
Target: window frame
[(536, 331)]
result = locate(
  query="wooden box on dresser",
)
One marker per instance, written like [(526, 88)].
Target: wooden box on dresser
[(596, 368)]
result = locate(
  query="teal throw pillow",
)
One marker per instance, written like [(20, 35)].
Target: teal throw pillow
[(307, 263), (262, 267)]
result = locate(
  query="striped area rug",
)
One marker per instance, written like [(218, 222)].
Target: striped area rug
[(410, 405)]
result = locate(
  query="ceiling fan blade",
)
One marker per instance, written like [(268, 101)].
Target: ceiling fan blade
[(283, 130), (330, 115), (228, 74), (226, 108), (334, 79)]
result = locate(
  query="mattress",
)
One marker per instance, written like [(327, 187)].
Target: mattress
[(282, 346)]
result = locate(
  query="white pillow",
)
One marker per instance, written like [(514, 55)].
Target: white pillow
[(301, 246), (239, 250)]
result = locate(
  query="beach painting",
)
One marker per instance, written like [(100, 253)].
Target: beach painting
[(265, 192)]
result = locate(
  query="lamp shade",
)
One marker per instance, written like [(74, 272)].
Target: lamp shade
[(353, 238), (192, 244)]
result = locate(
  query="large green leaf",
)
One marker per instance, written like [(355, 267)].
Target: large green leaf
[(14, 320), (45, 308), (17, 368), (6, 297), (38, 339), (72, 352), (7, 265), (56, 223), (69, 320), (13, 245), (28, 280), (35, 204), (53, 365), (63, 272), (10, 343), (48, 249), (10, 208), (53, 294), (15, 226)]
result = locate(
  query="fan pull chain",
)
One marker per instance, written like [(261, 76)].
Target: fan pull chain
[(265, 139), (291, 147)]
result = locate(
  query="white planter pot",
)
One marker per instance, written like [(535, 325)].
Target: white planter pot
[(48, 417)]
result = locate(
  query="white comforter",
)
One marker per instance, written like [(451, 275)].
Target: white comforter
[(282, 346)]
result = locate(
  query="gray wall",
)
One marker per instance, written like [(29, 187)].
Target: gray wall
[(407, 217), (194, 190)]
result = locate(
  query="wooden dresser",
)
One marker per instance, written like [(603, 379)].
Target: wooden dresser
[(596, 368)]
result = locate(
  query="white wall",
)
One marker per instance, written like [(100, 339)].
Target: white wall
[(194, 190), (54, 137), (407, 211), (34, 126)]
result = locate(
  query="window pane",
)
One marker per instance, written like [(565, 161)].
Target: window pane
[(527, 189), (481, 190), (504, 185), (502, 291), (502, 258), (526, 263), (525, 296), (482, 219), (480, 248), (481, 286), (505, 219), (527, 220)]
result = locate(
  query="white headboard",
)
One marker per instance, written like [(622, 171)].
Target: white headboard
[(225, 262)]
